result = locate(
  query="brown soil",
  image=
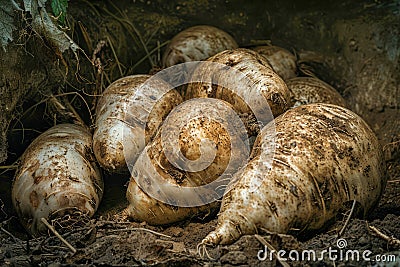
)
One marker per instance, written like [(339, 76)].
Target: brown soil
[(106, 240)]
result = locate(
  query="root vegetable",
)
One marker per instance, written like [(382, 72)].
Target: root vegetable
[(128, 115), (308, 90), (57, 176), (175, 177), (244, 79), (197, 43), (281, 60), (325, 156)]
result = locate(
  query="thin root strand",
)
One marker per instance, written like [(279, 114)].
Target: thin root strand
[(391, 240), (202, 250)]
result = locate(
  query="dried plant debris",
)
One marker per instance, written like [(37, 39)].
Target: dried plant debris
[(7, 25), (42, 23)]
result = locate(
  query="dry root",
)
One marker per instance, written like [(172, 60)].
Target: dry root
[(392, 241), (202, 251)]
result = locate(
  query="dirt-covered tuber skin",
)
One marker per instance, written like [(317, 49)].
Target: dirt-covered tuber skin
[(127, 117), (281, 60), (197, 43), (308, 90), (243, 78), (325, 156), (193, 148), (57, 176)]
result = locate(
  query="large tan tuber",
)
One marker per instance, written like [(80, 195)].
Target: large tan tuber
[(322, 157), (57, 176), (185, 169), (197, 43), (308, 90), (128, 115), (243, 78), (281, 60)]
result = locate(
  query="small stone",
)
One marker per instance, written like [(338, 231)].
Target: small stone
[(363, 240)]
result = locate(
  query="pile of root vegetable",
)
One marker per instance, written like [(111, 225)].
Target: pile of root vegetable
[(225, 151)]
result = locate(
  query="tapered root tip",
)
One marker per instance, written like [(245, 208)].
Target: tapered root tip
[(225, 233), (212, 239), (216, 237), (202, 251)]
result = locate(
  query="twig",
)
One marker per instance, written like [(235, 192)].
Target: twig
[(96, 59), (16, 240), (307, 70), (66, 110), (48, 98), (85, 36), (75, 115), (268, 245), (115, 56), (393, 181), (140, 229), (391, 143), (150, 53), (348, 219), (9, 167), (128, 22), (391, 240), (104, 222), (391, 149), (58, 235)]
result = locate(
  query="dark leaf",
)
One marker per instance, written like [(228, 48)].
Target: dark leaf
[(43, 24), (59, 8), (7, 26)]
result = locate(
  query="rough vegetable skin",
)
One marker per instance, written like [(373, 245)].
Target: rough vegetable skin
[(57, 176), (325, 156), (197, 43), (244, 79), (128, 116), (281, 60), (202, 138), (308, 90)]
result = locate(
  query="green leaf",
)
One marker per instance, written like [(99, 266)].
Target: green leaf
[(59, 8), (44, 25)]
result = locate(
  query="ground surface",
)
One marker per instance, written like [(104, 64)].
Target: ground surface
[(108, 240)]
